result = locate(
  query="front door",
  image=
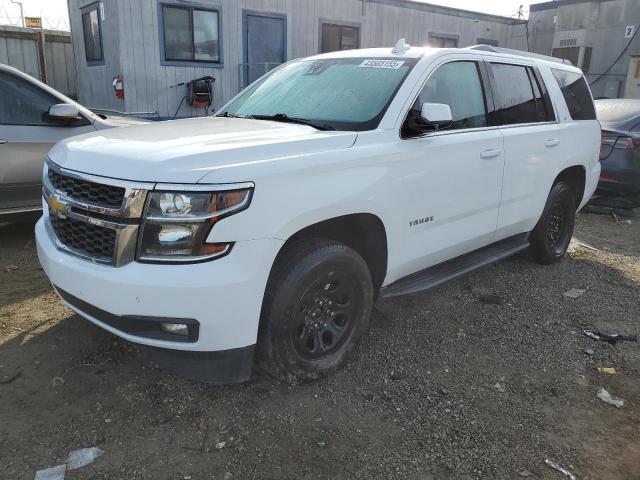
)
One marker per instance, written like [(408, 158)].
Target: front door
[(450, 180), (26, 135), (265, 43)]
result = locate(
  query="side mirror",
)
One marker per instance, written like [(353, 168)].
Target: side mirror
[(64, 112), (436, 115)]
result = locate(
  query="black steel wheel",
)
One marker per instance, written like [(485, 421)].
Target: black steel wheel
[(326, 315), (316, 309), (551, 237)]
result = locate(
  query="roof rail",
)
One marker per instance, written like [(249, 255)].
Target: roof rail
[(510, 51)]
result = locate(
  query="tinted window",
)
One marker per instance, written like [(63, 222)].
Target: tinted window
[(22, 103), (339, 37), (191, 34), (576, 93), (92, 35), (520, 96), (458, 85)]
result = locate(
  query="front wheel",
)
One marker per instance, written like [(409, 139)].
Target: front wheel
[(316, 310), (551, 237)]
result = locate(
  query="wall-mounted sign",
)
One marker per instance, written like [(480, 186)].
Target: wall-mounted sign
[(629, 30), (33, 22)]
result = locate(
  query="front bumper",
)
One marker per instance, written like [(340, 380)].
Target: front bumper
[(223, 296)]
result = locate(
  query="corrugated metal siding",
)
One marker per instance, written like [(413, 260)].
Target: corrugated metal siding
[(21, 53), (95, 82), (150, 86), (18, 48)]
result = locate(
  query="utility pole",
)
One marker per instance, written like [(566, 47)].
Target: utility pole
[(19, 3)]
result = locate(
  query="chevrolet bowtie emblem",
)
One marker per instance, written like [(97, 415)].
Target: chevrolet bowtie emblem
[(56, 207)]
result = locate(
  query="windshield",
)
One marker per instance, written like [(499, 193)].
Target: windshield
[(340, 94)]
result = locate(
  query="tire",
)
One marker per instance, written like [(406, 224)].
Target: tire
[(551, 237), (316, 309)]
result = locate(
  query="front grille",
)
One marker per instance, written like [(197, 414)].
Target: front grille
[(85, 191), (85, 238)]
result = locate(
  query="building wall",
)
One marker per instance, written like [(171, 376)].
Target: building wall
[(596, 24), (19, 49), (95, 89), (151, 87)]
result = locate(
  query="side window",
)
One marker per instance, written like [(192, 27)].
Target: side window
[(22, 103), (576, 93), (190, 34), (92, 32), (338, 37), (459, 85), (520, 95)]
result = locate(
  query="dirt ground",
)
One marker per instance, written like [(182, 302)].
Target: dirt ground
[(446, 384)]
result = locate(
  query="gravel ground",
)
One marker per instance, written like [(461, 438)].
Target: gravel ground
[(482, 378)]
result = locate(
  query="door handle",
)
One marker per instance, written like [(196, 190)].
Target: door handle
[(3, 141), (554, 142), (492, 153)]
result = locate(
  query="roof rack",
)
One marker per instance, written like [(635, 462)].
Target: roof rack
[(510, 51)]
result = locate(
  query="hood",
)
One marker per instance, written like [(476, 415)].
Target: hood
[(184, 151)]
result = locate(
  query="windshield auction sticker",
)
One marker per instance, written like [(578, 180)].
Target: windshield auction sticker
[(388, 64)]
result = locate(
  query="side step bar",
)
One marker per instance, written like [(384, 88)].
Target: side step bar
[(443, 272)]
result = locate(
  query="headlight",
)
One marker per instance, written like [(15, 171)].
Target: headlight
[(176, 224)]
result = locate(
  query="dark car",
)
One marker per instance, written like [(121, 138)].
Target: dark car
[(619, 184)]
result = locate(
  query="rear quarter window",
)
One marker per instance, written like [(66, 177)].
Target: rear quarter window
[(576, 93)]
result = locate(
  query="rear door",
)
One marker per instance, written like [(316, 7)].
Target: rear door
[(26, 135), (532, 144)]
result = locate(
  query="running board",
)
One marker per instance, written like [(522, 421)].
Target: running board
[(443, 272)]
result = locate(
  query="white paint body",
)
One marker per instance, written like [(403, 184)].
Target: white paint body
[(480, 185)]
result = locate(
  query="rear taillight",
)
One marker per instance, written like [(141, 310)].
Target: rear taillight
[(622, 143)]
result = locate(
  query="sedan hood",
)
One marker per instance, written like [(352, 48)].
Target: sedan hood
[(185, 151)]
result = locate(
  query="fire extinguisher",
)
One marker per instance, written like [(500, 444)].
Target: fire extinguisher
[(118, 87)]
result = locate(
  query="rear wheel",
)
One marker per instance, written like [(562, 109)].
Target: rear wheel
[(551, 237), (316, 309)]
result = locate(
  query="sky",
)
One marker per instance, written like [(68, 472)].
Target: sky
[(54, 12)]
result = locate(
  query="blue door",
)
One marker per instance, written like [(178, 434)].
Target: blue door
[(265, 43)]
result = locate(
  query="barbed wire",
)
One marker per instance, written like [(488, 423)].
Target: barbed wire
[(50, 22)]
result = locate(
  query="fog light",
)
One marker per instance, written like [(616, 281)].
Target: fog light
[(175, 328)]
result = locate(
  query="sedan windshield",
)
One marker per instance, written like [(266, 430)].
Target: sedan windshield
[(330, 94)]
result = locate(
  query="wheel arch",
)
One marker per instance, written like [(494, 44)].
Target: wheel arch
[(363, 232), (576, 177)]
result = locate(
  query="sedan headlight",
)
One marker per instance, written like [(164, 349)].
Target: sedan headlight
[(176, 224)]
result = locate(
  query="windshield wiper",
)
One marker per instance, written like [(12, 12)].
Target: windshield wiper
[(284, 118)]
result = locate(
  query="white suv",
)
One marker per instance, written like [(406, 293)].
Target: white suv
[(330, 182)]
